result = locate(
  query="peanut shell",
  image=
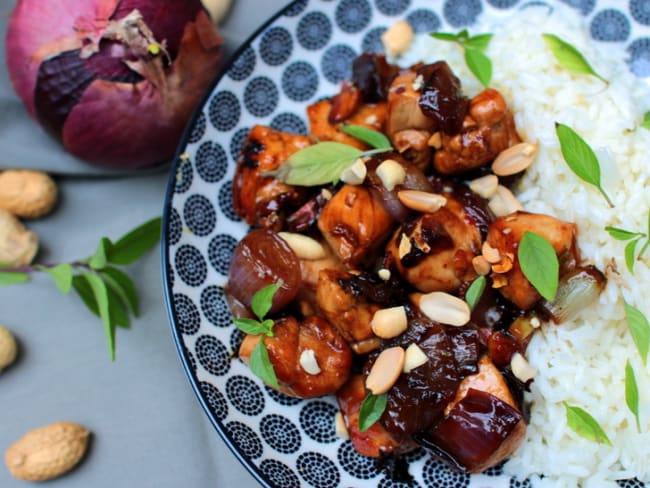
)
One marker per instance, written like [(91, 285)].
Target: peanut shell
[(27, 194), (8, 348), (18, 246)]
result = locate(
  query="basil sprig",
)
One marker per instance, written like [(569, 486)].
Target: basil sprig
[(583, 424), (633, 238), (106, 290), (259, 360), (371, 410), (474, 50), (580, 157), (539, 263), (569, 57)]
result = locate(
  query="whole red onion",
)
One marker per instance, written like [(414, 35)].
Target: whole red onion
[(114, 80)]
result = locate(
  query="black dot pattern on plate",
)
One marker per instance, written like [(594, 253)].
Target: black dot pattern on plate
[(245, 395), (352, 462), (610, 25), (212, 355), (300, 81), (190, 265), (211, 162), (314, 31), (583, 6), (336, 64), (261, 96), (495, 470), (175, 229), (276, 46), (631, 483), (187, 315), (353, 15), (279, 474), (424, 21), (516, 483), (184, 176), (243, 66), (639, 52), (220, 252), (214, 306), (281, 398), (199, 129), (392, 7), (640, 11), (236, 338), (503, 3), (246, 439), (215, 399), (225, 202), (371, 42), (391, 483), (415, 455), (224, 111), (191, 361), (288, 122), (318, 470), (199, 215), (317, 421), (280, 433), (296, 8), (237, 141), (437, 474), (461, 13)]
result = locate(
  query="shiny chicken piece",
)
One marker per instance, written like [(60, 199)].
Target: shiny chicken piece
[(434, 252), (374, 442), (258, 199), (354, 224), (333, 356), (350, 314), (504, 235), (488, 129)]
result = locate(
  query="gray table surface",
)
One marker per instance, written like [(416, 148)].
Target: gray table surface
[(148, 427)]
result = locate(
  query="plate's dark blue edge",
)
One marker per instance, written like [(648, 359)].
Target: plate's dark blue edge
[(166, 258)]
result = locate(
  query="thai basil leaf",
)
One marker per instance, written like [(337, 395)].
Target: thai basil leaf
[(480, 66), (632, 393), (569, 57), (621, 234), (12, 278), (371, 137), (630, 249), (583, 424), (371, 410), (123, 285), (135, 243), (639, 329), (261, 366), (263, 300), (61, 274), (475, 291), (100, 293), (539, 264)]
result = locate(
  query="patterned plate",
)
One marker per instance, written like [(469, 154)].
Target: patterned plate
[(301, 54)]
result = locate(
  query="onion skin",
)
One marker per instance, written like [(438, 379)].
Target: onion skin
[(126, 108)]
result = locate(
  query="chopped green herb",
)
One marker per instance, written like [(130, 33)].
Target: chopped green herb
[(639, 329), (539, 264), (569, 57), (580, 157), (583, 424), (371, 410), (632, 393), (475, 291)]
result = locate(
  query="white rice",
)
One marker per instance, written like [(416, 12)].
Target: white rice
[(581, 362)]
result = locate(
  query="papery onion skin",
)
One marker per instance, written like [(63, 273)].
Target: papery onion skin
[(112, 114)]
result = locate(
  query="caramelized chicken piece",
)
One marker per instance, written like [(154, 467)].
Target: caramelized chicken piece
[(333, 356), (504, 235), (354, 224), (345, 310), (258, 199), (434, 251), (375, 441), (321, 113), (488, 129)]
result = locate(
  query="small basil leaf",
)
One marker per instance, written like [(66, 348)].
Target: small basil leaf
[(371, 410), (82, 287), (261, 366), (61, 274), (263, 300), (639, 329), (371, 137), (475, 291), (480, 65), (539, 264), (117, 309), (646, 121), (100, 293), (621, 234), (569, 57), (250, 326), (630, 249), (123, 285), (580, 157), (445, 36), (99, 259), (12, 278), (135, 243), (480, 42), (267, 326), (632, 393), (319, 164), (583, 424)]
